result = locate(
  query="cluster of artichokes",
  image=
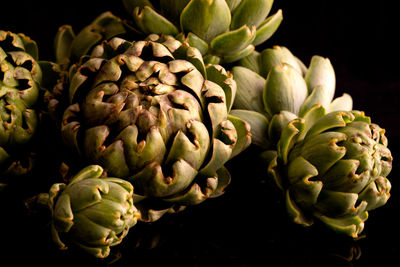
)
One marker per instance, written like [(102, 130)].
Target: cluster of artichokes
[(148, 111)]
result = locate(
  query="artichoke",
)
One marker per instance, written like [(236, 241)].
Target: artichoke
[(91, 211), (275, 87), (335, 171), (20, 78), (223, 30), (152, 113), (330, 161)]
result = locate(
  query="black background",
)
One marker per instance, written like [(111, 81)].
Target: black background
[(248, 225)]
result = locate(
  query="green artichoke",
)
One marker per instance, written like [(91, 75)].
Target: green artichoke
[(330, 161), (20, 78), (91, 211), (223, 30), (335, 171), (275, 87), (151, 112)]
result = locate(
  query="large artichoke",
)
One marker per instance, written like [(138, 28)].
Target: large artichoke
[(224, 30), (335, 171), (151, 112), (20, 78), (275, 87), (91, 211)]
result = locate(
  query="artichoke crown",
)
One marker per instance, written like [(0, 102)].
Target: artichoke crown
[(223, 30), (334, 171), (330, 161), (91, 211), (150, 111)]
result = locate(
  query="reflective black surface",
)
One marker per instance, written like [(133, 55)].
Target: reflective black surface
[(248, 225)]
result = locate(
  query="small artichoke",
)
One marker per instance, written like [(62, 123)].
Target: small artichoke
[(20, 78), (91, 211), (223, 30), (335, 171), (151, 112), (275, 87)]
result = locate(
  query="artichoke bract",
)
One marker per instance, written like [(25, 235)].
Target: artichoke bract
[(335, 171), (20, 78), (223, 30), (91, 211), (275, 87), (151, 112)]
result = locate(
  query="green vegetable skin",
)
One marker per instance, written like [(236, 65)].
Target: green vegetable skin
[(223, 30), (20, 78), (330, 161)]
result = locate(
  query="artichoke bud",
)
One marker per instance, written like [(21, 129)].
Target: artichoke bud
[(342, 154), (92, 212), (21, 78), (152, 113)]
